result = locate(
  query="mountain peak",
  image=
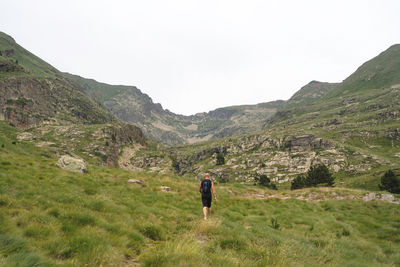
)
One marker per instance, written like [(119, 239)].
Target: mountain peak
[(379, 72), (7, 37)]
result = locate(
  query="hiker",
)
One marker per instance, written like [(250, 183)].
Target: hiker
[(206, 188)]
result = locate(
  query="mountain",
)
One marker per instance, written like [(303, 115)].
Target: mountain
[(127, 103), (32, 91), (37, 97), (353, 127), (130, 105), (310, 93)]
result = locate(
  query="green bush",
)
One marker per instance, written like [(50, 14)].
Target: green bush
[(319, 174), (390, 182), (220, 159), (316, 175), (274, 223), (263, 180), (298, 182)]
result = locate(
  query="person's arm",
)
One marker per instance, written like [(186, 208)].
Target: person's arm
[(213, 190), (200, 188)]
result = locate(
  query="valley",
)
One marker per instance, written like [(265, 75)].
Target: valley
[(93, 174)]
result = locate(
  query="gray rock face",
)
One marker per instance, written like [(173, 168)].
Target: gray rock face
[(69, 163), (305, 142)]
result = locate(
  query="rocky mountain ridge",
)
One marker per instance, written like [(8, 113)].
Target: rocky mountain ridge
[(354, 133), (130, 105)]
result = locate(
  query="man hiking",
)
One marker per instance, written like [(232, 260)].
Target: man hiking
[(206, 188)]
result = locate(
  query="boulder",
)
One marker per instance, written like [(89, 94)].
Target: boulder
[(25, 136), (135, 181), (369, 196), (387, 197), (69, 163), (165, 188)]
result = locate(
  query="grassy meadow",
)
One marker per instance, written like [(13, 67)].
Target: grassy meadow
[(51, 217)]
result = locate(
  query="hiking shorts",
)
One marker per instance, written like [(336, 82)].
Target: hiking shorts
[(206, 201)]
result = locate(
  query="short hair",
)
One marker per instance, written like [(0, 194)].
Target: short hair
[(207, 174)]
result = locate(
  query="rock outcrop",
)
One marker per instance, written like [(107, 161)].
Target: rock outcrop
[(69, 163), (28, 101)]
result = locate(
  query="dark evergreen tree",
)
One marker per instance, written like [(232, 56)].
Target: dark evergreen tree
[(319, 174), (273, 186), (390, 182), (220, 159), (263, 180), (298, 182)]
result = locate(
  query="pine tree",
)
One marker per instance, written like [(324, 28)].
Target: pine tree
[(298, 182), (220, 159), (319, 174), (390, 182)]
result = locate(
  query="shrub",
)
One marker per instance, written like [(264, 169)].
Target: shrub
[(263, 180), (319, 174), (274, 223), (298, 182), (345, 232), (220, 159), (273, 186), (390, 182), (316, 175), (223, 179)]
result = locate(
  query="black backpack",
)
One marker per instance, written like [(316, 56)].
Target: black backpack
[(206, 187)]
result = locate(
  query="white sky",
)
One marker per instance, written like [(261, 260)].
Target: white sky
[(194, 56)]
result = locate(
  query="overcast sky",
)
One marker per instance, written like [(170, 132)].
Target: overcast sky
[(194, 56)]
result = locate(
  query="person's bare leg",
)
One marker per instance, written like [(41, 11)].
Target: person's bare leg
[(209, 211), (205, 213)]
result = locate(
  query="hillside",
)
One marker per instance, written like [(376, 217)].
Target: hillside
[(53, 217), (33, 92), (377, 73)]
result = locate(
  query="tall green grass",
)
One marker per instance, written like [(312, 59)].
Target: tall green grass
[(51, 217)]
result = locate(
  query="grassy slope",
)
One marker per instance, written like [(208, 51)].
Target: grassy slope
[(52, 217), (381, 71), (29, 61)]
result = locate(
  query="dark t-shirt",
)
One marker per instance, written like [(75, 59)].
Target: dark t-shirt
[(206, 188)]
